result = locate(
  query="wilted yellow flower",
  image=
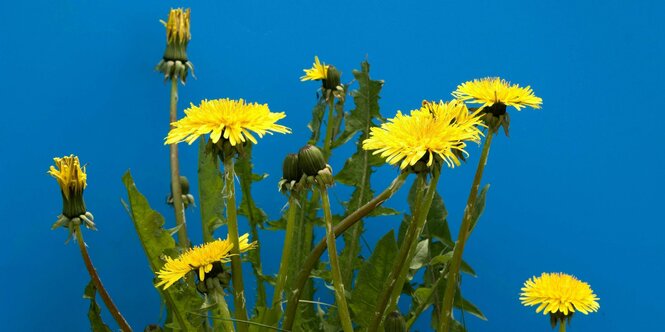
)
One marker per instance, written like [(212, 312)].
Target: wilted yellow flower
[(440, 129), (492, 90), (199, 259), (232, 119), (177, 26), (70, 175), (317, 72), (559, 293)]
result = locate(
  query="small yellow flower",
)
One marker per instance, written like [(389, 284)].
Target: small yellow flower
[(559, 293), (199, 259), (177, 26), (317, 72), (440, 129), (492, 90), (70, 175), (232, 119)]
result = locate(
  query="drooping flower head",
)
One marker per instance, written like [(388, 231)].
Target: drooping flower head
[(317, 72), (435, 131), (199, 259), (233, 120), (174, 63), (72, 180), (559, 295), (494, 90)]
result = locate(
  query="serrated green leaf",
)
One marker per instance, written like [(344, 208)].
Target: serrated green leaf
[(211, 184), (422, 294), (94, 311), (315, 124), (371, 278), (381, 211), (479, 207), (421, 257), (441, 259), (467, 306), (180, 299)]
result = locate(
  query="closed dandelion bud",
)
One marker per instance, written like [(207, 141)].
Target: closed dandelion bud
[(72, 180), (311, 160), (332, 80), (291, 169), (395, 322), (187, 198), (174, 63)]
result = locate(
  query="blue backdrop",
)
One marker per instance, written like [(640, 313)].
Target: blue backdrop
[(576, 188)]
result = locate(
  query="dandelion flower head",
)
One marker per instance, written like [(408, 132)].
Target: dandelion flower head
[(234, 120)]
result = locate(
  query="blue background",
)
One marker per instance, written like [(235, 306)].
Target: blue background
[(577, 188)]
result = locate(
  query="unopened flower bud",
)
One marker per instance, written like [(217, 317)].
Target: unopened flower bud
[(290, 168), (311, 160), (395, 322), (174, 63)]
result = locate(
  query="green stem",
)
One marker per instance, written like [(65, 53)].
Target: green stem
[(392, 288), (342, 307), (124, 326), (423, 305), (286, 250), (225, 323), (327, 140), (562, 327), (320, 248), (453, 275), (176, 190), (232, 221)]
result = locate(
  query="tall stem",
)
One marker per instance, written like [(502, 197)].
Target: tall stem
[(342, 307), (176, 190), (286, 250), (453, 275), (225, 323), (392, 288), (327, 140), (320, 248), (236, 265), (98, 283), (562, 327)]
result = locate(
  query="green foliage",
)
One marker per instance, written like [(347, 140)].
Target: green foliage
[(358, 168), (479, 206), (255, 216), (94, 312), (315, 124), (211, 185), (371, 277), (182, 301)]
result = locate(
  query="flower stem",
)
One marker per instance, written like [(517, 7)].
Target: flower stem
[(327, 140), (562, 327), (225, 323), (176, 190), (423, 305), (453, 274), (392, 288), (286, 250), (124, 326), (316, 253), (342, 307), (232, 222)]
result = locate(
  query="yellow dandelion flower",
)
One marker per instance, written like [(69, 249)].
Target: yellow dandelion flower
[(437, 129), (317, 72), (70, 175), (492, 90), (559, 293), (177, 26), (200, 259), (235, 120)]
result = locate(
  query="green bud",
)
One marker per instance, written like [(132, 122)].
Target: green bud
[(184, 185), (333, 78), (311, 160), (395, 322), (290, 168)]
